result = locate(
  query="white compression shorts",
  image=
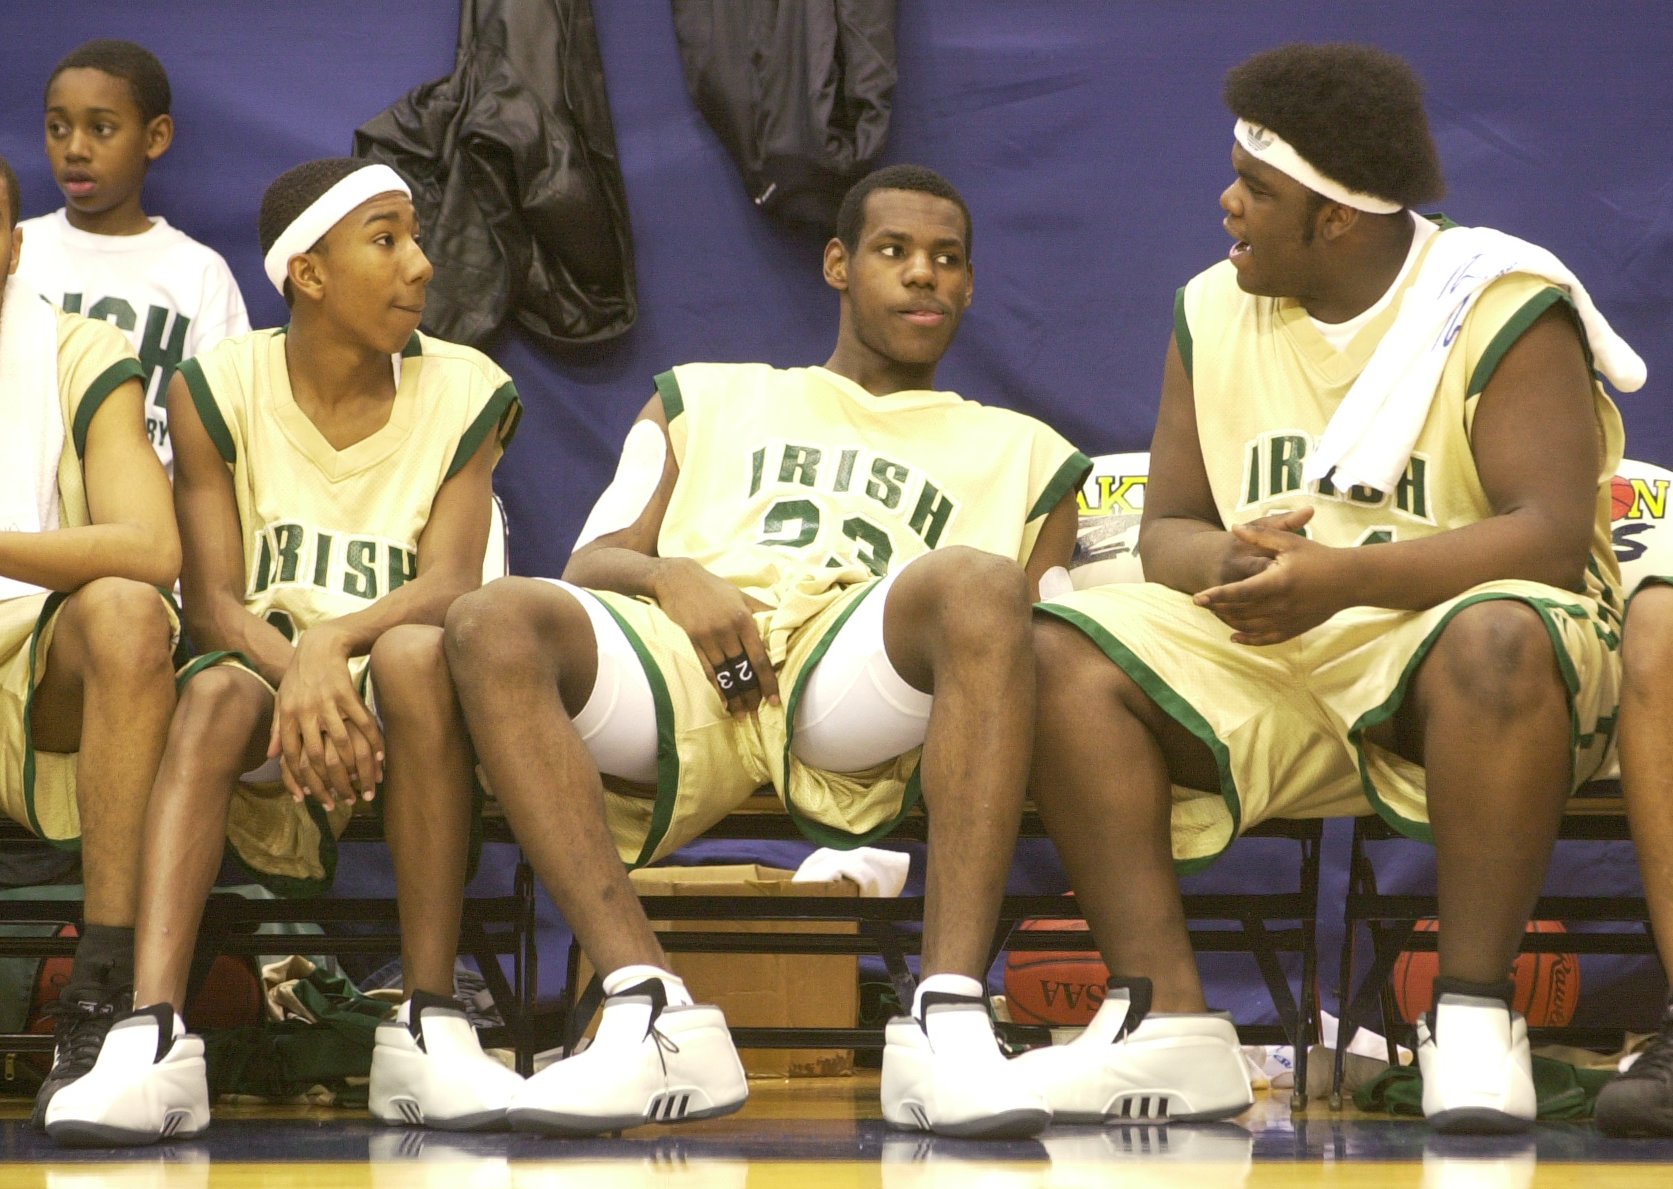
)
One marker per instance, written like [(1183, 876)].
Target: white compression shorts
[(856, 712)]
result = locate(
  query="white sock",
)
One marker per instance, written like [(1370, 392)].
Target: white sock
[(956, 1029), (620, 980)]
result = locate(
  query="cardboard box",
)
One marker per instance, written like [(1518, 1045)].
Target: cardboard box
[(764, 990)]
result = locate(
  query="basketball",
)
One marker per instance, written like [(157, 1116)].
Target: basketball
[(1621, 496), (231, 995), (1547, 985), (1054, 987)]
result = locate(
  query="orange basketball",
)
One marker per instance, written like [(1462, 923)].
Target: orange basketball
[(1054, 987), (1621, 497), (1547, 985)]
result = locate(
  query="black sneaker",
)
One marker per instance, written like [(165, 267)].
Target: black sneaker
[(1640, 1101), (82, 1015)]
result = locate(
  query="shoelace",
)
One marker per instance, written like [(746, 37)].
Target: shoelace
[(79, 1030)]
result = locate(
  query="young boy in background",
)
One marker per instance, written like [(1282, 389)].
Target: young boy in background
[(100, 254)]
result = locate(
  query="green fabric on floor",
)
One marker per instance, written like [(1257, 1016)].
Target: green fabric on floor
[(1562, 1091), (282, 1059)]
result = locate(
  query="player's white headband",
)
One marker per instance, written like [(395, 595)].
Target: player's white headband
[(1267, 146), (322, 213)]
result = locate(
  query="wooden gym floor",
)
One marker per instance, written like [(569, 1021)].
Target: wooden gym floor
[(828, 1133)]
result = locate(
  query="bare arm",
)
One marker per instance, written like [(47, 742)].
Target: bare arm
[(626, 561), (1055, 545), (450, 553), (212, 578), (1182, 542), (1542, 487), (131, 535)]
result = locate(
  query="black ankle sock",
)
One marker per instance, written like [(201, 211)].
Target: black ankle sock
[(104, 957), (1505, 991)]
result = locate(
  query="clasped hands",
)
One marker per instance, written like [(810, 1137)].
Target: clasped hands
[(1275, 583), (328, 743)]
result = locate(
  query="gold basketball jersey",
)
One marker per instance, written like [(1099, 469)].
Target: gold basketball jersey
[(1266, 383), (787, 473), (327, 531), (94, 359)]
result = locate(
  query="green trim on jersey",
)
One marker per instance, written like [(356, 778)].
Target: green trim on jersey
[(667, 751), (1069, 477), (48, 609), (1182, 328), (93, 399), (1514, 328), (817, 831), (208, 411), (1174, 706), (1546, 609), (504, 409), (668, 388), (414, 348)]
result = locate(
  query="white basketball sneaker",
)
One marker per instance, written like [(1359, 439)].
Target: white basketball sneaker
[(1477, 1071), (965, 1092), (149, 1083), (429, 1070), (649, 1063), (1129, 1065)]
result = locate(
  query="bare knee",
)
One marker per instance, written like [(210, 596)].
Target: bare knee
[(971, 601), (1496, 657), (519, 629), (1647, 646), (406, 660), (122, 629), (217, 720)]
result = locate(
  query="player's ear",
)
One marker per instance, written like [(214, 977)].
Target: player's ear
[(17, 248), (1335, 220), (159, 134), (305, 275), (836, 265)]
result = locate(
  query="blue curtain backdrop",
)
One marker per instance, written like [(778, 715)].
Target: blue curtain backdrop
[(1088, 136)]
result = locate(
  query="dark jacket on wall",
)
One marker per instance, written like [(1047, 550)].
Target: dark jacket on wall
[(798, 90), (512, 160)]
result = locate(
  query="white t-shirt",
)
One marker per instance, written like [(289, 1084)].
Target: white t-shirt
[(172, 296)]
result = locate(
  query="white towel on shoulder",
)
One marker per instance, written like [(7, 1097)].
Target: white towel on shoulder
[(1371, 435), (31, 422)]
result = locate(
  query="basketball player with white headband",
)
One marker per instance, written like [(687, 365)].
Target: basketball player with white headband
[(333, 482), (1369, 589)]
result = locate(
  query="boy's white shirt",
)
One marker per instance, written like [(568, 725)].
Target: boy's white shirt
[(162, 269)]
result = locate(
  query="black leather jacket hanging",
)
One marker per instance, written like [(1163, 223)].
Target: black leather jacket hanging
[(798, 90), (512, 160)]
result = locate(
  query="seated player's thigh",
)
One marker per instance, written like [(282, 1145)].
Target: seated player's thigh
[(1081, 689), (856, 710), (1494, 657), (617, 719)]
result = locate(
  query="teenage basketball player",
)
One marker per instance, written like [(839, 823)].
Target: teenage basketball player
[(332, 481), (1379, 579), (818, 578), (86, 641)]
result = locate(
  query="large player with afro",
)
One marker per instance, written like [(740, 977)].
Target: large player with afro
[(333, 487), (1369, 588)]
